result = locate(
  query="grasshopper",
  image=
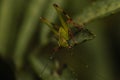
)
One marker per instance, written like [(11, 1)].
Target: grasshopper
[(69, 33)]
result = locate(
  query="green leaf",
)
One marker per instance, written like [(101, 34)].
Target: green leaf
[(99, 8)]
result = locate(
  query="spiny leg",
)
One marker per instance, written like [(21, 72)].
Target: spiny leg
[(72, 37)]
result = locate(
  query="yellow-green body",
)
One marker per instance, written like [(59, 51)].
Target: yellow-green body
[(63, 37)]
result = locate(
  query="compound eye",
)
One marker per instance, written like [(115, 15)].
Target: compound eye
[(55, 5)]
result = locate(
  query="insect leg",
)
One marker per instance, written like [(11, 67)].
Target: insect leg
[(69, 19), (50, 25), (59, 12)]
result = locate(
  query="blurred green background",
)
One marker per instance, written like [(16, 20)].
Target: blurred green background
[(26, 43)]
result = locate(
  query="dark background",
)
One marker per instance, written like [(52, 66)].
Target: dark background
[(21, 31)]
